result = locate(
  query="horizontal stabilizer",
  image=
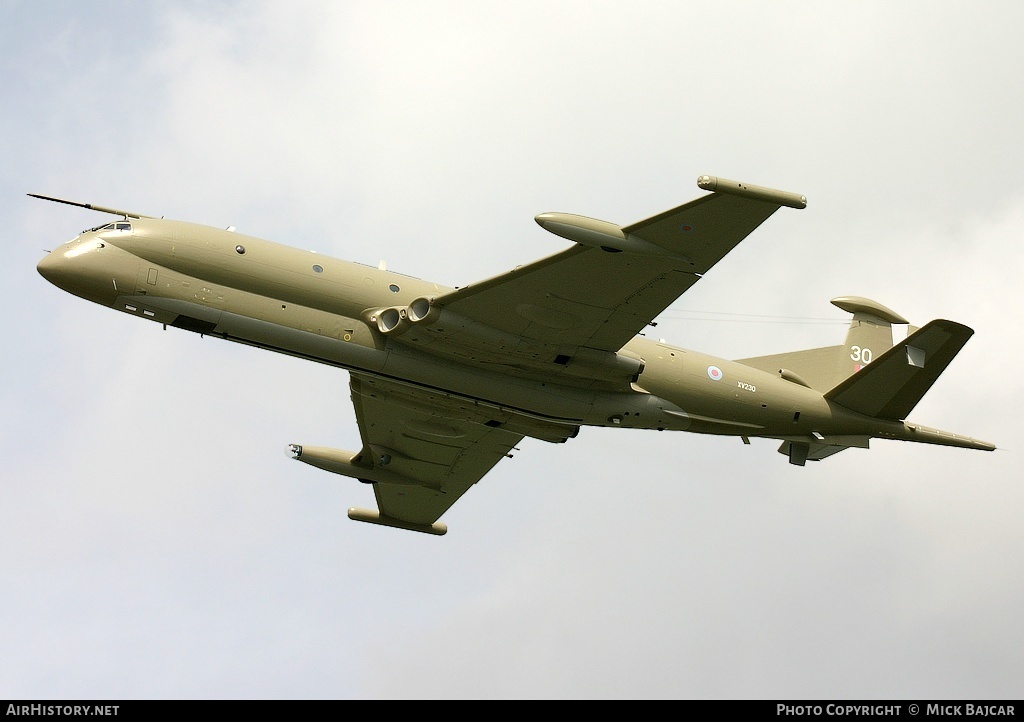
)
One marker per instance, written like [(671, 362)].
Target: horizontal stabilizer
[(891, 386)]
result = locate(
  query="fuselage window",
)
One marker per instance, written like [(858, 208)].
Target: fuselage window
[(318, 268), (239, 250), (393, 288)]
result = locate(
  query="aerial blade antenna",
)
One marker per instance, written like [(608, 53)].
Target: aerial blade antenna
[(91, 207)]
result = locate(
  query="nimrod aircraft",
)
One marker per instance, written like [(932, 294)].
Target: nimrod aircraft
[(447, 381)]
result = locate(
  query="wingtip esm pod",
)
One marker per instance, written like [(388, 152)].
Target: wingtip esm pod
[(746, 190)]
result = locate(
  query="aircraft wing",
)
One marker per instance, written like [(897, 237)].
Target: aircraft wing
[(589, 296), (422, 450)]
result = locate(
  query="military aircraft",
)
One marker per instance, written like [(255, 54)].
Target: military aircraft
[(447, 381)]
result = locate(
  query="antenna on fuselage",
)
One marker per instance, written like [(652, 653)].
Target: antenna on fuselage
[(91, 207)]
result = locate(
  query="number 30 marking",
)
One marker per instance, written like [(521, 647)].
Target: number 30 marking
[(861, 355)]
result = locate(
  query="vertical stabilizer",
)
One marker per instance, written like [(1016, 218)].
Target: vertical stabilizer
[(869, 336), (870, 333), (891, 386)]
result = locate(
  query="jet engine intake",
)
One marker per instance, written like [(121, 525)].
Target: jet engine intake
[(392, 321), (423, 310)]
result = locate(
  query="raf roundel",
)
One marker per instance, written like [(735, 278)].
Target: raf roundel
[(715, 373)]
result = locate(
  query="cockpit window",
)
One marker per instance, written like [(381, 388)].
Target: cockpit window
[(119, 226)]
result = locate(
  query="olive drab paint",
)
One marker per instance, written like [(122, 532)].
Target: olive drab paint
[(447, 381)]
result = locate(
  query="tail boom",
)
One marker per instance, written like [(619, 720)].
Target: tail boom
[(908, 431), (801, 449)]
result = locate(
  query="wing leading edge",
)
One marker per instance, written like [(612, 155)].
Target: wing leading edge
[(598, 295)]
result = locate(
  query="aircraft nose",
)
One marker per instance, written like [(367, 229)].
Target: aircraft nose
[(56, 268), (90, 269), (50, 267)]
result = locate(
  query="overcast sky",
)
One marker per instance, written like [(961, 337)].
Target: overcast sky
[(156, 542)]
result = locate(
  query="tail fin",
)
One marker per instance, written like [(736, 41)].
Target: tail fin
[(891, 386), (869, 336), (870, 333)]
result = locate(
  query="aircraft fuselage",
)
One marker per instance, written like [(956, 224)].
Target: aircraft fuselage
[(228, 285)]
